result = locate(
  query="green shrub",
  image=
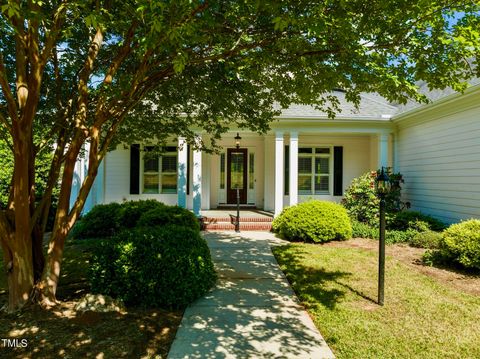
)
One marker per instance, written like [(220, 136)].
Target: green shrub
[(169, 215), (363, 230), (101, 221), (313, 221), (361, 200), (133, 210), (461, 242), (426, 239), (393, 236), (165, 267), (416, 220)]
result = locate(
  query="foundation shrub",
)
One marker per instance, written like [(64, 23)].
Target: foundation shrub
[(101, 221), (313, 221), (168, 267), (460, 244), (167, 215)]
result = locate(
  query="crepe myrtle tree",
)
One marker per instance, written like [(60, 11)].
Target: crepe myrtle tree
[(98, 73)]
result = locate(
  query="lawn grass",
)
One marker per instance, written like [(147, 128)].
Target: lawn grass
[(422, 318), (64, 332)]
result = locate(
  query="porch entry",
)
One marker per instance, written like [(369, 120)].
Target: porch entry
[(237, 160)]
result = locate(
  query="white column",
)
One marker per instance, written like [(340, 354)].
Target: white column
[(197, 181), (279, 171), (182, 172), (382, 150), (293, 170)]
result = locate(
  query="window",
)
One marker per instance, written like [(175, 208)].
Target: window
[(314, 170), (160, 172)]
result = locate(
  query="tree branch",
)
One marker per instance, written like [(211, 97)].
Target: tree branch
[(7, 92)]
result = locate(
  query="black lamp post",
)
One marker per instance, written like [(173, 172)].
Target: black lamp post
[(382, 186), (237, 141)]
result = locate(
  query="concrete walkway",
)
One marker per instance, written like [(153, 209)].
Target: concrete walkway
[(252, 312)]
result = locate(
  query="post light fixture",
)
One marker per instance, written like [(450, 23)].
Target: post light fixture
[(382, 183), (237, 141), (382, 186)]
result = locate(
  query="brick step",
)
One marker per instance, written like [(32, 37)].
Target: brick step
[(247, 226), (242, 219)]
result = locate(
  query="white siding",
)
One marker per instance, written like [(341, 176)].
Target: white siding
[(440, 161)]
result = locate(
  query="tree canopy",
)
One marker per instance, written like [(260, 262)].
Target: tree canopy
[(96, 73)]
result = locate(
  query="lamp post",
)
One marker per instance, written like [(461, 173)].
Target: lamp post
[(382, 185)]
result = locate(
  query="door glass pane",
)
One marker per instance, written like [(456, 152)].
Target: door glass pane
[(305, 165), (321, 165), (321, 184), (236, 174), (305, 184)]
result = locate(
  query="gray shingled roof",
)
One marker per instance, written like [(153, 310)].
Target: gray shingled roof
[(372, 106)]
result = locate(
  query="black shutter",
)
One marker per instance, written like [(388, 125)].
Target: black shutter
[(135, 169), (338, 171)]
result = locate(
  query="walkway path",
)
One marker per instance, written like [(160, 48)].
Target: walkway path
[(252, 312)]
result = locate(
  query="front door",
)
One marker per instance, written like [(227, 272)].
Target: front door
[(236, 175)]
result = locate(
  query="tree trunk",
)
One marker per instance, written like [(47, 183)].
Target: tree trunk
[(20, 275)]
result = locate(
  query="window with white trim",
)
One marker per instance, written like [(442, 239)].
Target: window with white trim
[(314, 170), (160, 171)]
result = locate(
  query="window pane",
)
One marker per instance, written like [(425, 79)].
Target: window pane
[(236, 170), (150, 161), (305, 165), (251, 174), (150, 183), (170, 149), (169, 163), (222, 171), (305, 150), (169, 183), (321, 184), (321, 165), (305, 184), (325, 150)]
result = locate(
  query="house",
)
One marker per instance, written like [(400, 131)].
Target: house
[(306, 155)]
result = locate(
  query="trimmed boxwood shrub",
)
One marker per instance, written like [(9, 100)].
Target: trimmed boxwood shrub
[(169, 215), (101, 221), (167, 267), (132, 211), (313, 221), (427, 239), (416, 220), (461, 243)]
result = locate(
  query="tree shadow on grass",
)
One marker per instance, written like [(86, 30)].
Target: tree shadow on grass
[(315, 286)]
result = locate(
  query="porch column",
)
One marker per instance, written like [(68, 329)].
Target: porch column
[(279, 170), (182, 172), (382, 150), (197, 180), (293, 171)]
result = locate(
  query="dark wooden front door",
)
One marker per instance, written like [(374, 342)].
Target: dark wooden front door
[(236, 175)]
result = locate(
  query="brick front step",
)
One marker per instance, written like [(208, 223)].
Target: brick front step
[(248, 226), (242, 219)]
